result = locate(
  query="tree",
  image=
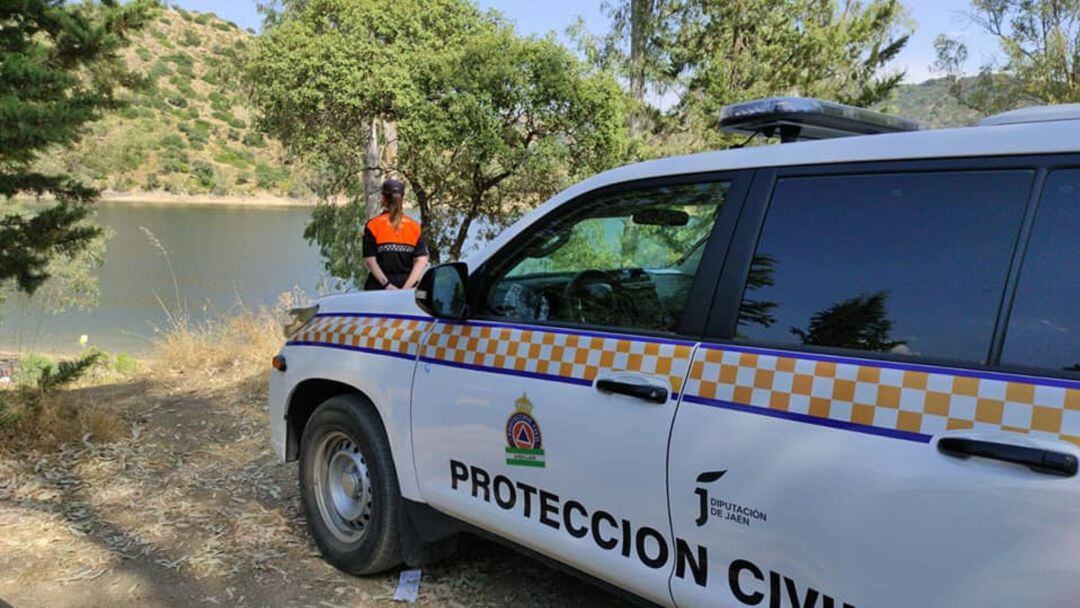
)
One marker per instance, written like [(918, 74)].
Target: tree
[(505, 123), (860, 322), (58, 71), (486, 123), (1040, 41), (711, 53)]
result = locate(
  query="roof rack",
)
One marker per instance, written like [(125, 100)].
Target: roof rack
[(805, 118)]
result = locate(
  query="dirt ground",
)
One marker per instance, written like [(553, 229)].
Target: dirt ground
[(191, 508)]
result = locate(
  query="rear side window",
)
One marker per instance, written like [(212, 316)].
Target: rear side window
[(1044, 330), (907, 263)]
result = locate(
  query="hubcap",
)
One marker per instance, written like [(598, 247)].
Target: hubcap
[(343, 486)]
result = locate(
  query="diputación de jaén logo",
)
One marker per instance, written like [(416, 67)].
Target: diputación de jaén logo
[(524, 444)]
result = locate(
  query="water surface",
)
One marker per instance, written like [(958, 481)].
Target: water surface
[(221, 256)]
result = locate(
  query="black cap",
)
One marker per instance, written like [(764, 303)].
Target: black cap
[(393, 186)]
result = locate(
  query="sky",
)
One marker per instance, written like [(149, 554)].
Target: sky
[(932, 17)]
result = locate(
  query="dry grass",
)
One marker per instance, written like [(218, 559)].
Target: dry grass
[(222, 349), (189, 506)]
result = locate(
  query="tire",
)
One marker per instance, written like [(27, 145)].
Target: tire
[(349, 488)]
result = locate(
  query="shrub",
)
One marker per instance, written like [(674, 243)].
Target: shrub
[(151, 182), (203, 172), (186, 15), (144, 53), (204, 18), (190, 38), (125, 364), (228, 118), (161, 68), (172, 160), (229, 156), (177, 100), (172, 140), (254, 139), (267, 176)]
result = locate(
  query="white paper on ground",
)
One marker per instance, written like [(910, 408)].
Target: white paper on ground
[(408, 586)]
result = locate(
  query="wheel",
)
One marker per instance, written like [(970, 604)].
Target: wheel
[(349, 488)]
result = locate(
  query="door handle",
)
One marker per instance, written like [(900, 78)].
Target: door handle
[(1036, 459), (648, 392)]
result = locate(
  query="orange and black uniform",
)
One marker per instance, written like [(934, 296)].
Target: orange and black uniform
[(394, 250)]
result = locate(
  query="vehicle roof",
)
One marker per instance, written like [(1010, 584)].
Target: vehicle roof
[(1048, 137)]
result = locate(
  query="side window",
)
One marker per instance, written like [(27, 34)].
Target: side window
[(1044, 329), (908, 263), (626, 260)]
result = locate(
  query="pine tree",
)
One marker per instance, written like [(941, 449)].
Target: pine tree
[(59, 70)]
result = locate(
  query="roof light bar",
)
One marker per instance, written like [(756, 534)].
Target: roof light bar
[(806, 118)]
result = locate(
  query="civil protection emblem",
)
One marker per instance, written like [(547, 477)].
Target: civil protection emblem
[(524, 445)]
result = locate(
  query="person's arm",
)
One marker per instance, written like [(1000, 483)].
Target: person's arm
[(418, 266), (369, 250), (380, 276), (420, 260)]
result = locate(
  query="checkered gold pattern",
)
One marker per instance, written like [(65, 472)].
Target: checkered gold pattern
[(391, 335), (895, 399), (565, 355)]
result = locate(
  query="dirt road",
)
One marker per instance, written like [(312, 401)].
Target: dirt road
[(192, 509)]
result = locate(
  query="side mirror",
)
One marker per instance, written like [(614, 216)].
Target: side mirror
[(441, 291)]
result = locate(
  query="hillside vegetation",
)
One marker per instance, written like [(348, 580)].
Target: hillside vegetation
[(189, 131), (931, 104)]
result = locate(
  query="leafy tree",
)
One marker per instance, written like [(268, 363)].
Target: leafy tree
[(705, 54), (504, 124), (58, 71), (481, 123), (1040, 43)]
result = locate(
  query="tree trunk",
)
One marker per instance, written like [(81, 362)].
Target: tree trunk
[(425, 214), (372, 173), (640, 17), (463, 229)]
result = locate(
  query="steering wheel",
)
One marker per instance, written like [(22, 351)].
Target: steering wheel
[(594, 297)]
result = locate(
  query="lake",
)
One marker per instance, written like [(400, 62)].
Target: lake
[(222, 256)]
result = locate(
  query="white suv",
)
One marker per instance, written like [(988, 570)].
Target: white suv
[(822, 374)]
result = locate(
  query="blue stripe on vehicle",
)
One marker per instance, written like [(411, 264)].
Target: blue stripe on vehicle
[(805, 418)]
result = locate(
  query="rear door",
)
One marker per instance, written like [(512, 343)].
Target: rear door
[(857, 326)]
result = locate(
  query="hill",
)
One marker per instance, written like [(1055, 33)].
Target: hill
[(190, 131), (930, 103)]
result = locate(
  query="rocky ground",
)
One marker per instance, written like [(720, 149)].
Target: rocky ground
[(190, 508)]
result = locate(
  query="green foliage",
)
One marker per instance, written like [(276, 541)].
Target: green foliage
[(253, 139), (190, 38), (144, 53), (172, 160), (710, 53), (60, 65), (1040, 63), (204, 18), (172, 140), (487, 123), (227, 118), (42, 374), (236, 158), (203, 172), (125, 364), (268, 176)]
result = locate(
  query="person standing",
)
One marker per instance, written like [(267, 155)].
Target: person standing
[(394, 250)]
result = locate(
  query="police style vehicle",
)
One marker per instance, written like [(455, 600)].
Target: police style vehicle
[(824, 374)]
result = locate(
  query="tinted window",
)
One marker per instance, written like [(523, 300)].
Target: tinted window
[(904, 263), (625, 260), (1044, 330)]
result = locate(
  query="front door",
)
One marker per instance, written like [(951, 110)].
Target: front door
[(546, 417)]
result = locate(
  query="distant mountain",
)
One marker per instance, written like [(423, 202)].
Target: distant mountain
[(931, 104), (190, 132)]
